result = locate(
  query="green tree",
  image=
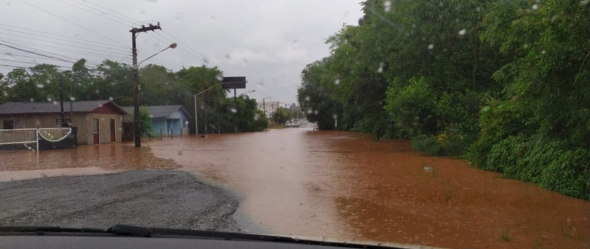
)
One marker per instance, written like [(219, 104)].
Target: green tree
[(281, 116), (145, 122)]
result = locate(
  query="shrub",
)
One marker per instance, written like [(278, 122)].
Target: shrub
[(428, 144)]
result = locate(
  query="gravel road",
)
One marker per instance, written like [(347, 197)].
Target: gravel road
[(155, 198)]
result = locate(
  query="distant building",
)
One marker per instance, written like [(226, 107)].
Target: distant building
[(268, 107), (171, 119), (98, 121)]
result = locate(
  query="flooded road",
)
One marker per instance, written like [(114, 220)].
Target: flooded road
[(341, 185), (345, 186)]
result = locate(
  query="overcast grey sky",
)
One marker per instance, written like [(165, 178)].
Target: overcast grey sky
[(268, 41)]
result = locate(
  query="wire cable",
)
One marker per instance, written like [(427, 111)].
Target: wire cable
[(38, 53), (69, 37), (73, 23), (57, 43), (98, 14), (13, 42)]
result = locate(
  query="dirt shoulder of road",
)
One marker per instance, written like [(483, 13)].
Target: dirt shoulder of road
[(154, 198)]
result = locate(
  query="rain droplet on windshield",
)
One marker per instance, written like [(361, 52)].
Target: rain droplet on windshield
[(337, 81), (55, 102), (535, 6), (387, 6), (32, 100), (316, 112), (40, 85), (256, 116), (463, 32), (219, 77), (309, 111), (543, 52), (111, 98), (431, 46), (72, 99), (233, 110), (307, 98), (380, 70), (49, 99)]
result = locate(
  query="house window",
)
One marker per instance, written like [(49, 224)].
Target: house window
[(10, 124), (58, 122)]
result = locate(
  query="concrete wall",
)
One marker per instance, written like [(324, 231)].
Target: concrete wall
[(82, 121)]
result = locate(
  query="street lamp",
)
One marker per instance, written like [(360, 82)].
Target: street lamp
[(172, 46), (247, 93), (137, 136)]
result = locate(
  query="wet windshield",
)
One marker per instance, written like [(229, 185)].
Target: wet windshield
[(451, 123)]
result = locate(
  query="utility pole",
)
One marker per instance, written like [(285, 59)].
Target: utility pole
[(71, 108), (235, 113), (196, 113), (206, 118), (61, 102), (134, 33)]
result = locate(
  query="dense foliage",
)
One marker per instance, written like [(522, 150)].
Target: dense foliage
[(159, 86), (502, 83), (281, 116), (145, 123)]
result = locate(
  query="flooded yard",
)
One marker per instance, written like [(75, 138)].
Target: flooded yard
[(341, 185)]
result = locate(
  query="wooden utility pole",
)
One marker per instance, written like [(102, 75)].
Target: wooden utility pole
[(206, 117), (235, 112), (71, 104), (134, 33), (61, 102)]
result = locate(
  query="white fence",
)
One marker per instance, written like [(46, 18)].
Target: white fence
[(20, 136), (31, 136)]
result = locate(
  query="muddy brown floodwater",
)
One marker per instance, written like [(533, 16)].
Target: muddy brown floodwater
[(343, 186), (84, 160)]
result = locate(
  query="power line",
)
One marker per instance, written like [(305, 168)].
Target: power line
[(66, 40), (57, 43), (27, 51), (13, 66), (40, 58), (188, 52), (89, 30), (125, 16), (104, 17), (69, 37), (40, 54), (127, 25), (33, 64), (56, 48), (89, 62)]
